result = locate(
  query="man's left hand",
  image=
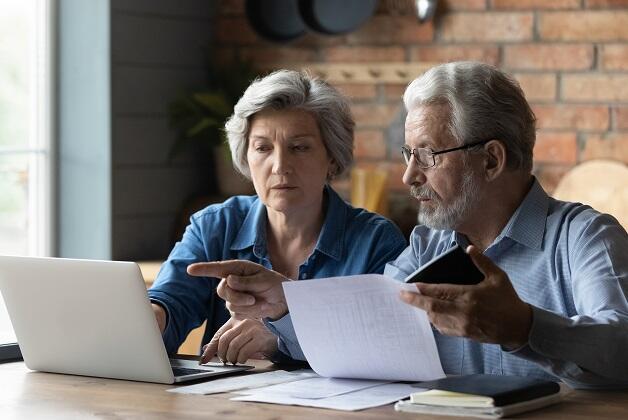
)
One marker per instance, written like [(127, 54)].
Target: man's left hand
[(489, 312)]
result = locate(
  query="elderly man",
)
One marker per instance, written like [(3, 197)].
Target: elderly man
[(553, 303)]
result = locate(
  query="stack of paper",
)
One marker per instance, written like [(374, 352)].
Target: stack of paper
[(337, 394)]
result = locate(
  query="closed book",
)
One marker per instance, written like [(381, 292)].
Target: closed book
[(483, 390), (479, 412)]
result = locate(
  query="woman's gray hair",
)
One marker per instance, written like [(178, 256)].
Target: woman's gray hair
[(485, 103), (288, 89)]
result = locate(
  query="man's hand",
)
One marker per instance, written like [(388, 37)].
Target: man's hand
[(489, 312), (250, 290), (237, 341)]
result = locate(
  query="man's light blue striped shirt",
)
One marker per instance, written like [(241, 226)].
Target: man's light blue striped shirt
[(570, 263)]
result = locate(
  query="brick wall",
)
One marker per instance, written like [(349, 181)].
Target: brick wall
[(570, 56)]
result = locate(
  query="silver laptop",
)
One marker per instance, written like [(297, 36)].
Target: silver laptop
[(91, 318)]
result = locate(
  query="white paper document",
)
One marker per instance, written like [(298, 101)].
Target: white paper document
[(315, 388), (357, 400), (358, 327), (236, 383)]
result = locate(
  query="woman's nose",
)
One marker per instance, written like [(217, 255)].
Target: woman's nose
[(413, 174), (281, 162)]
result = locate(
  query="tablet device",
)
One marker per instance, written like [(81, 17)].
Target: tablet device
[(453, 267)]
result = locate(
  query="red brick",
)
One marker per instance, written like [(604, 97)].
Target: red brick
[(374, 115), (314, 39), (548, 57), (536, 4), (277, 55), (392, 30), (358, 91), (448, 53), (614, 57), (369, 144), (487, 26), (235, 31), (610, 146), (549, 175), (556, 147), (584, 25), (620, 116), (363, 54), (604, 4), (450, 5), (538, 87), (579, 117), (394, 92), (595, 87)]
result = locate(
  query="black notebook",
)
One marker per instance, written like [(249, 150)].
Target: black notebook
[(483, 390)]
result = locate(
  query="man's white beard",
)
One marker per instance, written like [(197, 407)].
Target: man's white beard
[(436, 216)]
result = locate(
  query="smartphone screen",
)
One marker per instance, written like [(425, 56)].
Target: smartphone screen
[(453, 267)]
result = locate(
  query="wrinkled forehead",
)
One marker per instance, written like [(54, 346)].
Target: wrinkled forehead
[(428, 122)]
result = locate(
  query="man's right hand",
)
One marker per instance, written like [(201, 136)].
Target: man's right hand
[(250, 290)]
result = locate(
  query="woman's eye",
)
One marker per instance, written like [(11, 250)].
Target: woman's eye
[(262, 148), (301, 147)]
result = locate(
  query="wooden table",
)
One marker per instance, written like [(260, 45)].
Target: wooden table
[(34, 395)]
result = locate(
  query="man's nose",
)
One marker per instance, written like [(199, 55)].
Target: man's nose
[(413, 174)]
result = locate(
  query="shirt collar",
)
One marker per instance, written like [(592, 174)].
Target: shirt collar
[(252, 233), (527, 225)]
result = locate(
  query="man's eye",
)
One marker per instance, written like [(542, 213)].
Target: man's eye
[(301, 147)]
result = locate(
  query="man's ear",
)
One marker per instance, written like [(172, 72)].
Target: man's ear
[(495, 159)]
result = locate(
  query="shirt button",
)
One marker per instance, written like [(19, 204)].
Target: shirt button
[(303, 276)]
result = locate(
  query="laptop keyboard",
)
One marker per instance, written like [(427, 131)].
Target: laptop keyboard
[(180, 371)]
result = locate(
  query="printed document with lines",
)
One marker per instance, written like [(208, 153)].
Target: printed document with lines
[(358, 327)]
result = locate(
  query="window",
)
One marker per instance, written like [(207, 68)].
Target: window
[(25, 136)]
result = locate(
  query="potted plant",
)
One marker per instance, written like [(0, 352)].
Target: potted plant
[(199, 118)]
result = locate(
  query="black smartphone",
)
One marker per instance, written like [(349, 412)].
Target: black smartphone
[(453, 267)]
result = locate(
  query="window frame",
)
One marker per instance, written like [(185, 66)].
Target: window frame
[(42, 180)]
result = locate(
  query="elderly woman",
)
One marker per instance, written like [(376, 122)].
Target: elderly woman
[(290, 134)]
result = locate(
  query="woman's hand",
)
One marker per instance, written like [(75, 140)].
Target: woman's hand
[(250, 290), (237, 341), (160, 316)]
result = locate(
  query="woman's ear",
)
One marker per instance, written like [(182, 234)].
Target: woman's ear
[(332, 171), (495, 159)]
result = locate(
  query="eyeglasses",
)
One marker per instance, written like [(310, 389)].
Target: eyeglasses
[(424, 157)]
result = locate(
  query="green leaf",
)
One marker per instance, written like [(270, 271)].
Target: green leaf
[(214, 102), (203, 124)]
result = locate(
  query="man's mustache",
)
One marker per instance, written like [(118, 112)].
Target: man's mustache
[(422, 191)]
